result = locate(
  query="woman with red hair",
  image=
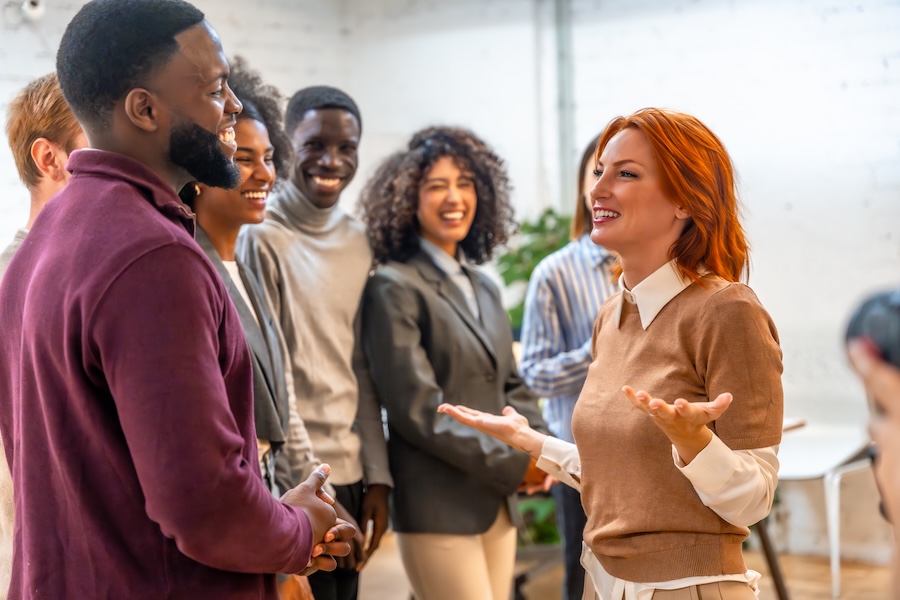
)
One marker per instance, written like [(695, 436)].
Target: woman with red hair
[(677, 426)]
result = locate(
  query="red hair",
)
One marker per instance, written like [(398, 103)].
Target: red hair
[(696, 173)]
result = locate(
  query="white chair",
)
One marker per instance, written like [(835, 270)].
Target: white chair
[(826, 452)]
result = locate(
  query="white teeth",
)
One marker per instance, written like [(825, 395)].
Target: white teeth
[(603, 213), (453, 215), (328, 181), (255, 195), (227, 135)]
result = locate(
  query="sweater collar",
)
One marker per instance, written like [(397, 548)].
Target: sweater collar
[(653, 293), (298, 211), (90, 161)]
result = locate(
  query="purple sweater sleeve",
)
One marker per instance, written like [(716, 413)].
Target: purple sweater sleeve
[(171, 351)]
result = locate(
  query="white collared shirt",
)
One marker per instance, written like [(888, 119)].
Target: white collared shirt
[(738, 485)]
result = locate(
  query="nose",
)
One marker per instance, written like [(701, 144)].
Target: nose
[(331, 158), (600, 189), (233, 106), (263, 171)]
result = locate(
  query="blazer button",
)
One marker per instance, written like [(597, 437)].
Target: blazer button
[(490, 378)]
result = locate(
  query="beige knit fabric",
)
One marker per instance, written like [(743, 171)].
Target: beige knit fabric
[(645, 521)]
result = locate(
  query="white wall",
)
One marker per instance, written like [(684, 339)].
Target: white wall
[(294, 43), (803, 92)]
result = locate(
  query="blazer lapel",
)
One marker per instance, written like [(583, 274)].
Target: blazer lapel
[(252, 331), (449, 292)]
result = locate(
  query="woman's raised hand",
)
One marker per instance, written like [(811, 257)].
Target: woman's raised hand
[(509, 427)]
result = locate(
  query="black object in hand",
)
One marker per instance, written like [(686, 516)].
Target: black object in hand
[(878, 319)]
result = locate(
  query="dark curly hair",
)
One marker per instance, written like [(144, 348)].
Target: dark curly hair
[(262, 103), (390, 198)]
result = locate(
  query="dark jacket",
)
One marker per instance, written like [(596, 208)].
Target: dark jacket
[(426, 347), (270, 396)]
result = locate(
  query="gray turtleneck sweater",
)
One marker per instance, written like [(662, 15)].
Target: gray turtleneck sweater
[(313, 265)]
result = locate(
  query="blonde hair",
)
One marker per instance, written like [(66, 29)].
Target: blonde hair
[(39, 111)]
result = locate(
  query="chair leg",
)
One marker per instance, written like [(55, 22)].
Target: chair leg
[(772, 560), (833, 520)]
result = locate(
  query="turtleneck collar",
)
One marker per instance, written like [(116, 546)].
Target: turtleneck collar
[(298, 211)]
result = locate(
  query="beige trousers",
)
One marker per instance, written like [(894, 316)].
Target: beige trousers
[(721, 590), (461, 567)]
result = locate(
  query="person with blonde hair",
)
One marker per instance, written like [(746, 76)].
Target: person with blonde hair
[(42, 131), (677, 425)]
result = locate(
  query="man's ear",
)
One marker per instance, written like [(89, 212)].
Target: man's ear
[(142, 109), (50, 159)]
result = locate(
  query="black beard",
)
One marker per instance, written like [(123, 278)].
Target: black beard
[(198, 152)]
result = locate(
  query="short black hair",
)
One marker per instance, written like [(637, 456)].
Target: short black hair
[(316, 97), (262, 102), (111, 46)]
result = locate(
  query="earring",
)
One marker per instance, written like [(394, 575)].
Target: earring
[(196, 190)]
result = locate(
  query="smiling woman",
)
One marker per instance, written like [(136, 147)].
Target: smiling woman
[(434, 330), (261, 153), (672, 475)]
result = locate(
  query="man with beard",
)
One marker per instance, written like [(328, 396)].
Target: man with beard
[(125, 388)]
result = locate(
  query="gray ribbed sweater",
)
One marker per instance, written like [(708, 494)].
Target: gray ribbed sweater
[(313, 265)]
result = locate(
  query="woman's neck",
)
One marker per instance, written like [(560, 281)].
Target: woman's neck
[(637, 267), (223, 237)]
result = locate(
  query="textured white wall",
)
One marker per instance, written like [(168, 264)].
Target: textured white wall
[(803, 93)]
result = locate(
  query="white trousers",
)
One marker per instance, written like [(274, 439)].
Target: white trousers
[(461, 567)]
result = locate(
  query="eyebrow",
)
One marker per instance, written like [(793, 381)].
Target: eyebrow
[(248, 149), (447, 180), (619, 163)]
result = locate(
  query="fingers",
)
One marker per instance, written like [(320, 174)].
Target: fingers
[(378, 530), (324, 497), (342, 530), (509, 411), (549, 482), (321, 563), (644, 401), (660, 409)]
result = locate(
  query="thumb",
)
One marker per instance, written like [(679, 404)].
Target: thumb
[(318, 477), (720, 404)]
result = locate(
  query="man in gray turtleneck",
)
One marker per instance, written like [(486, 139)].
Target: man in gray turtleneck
[(312, 261)]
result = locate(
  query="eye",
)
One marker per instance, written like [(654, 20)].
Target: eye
[(313, 145), (627, 174), (269, 160), (218, 92), (598, 173), (242, 159)]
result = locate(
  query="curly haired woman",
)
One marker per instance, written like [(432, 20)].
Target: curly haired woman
[(677, 426), (435, 331)]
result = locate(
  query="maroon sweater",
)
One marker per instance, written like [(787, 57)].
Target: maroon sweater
[(126, 406)]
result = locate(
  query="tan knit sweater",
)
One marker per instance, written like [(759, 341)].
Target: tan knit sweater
[(645, 521)]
